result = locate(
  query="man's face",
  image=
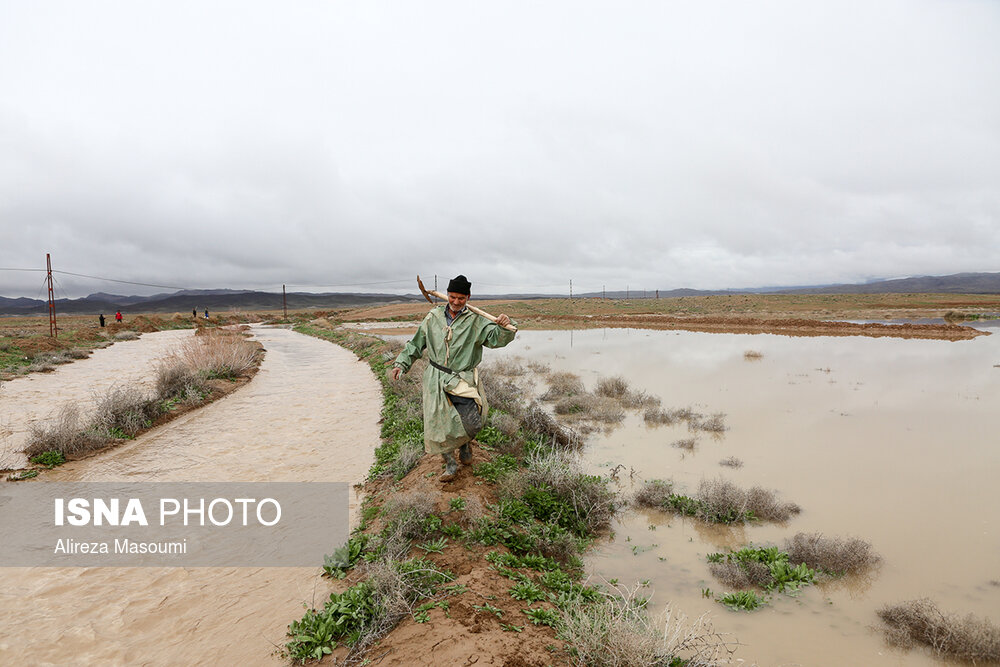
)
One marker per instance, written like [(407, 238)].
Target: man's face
[(456, 301)]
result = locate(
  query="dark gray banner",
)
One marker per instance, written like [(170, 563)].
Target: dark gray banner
[(191, 524)]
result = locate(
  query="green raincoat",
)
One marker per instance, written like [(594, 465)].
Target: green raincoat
[(460, 348)]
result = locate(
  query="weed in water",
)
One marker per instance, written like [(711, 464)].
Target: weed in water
[(835, 556), (742, 600), (731, 462), (49, 459), (921, 622)]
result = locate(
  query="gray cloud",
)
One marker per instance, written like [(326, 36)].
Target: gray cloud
[(655, 145)]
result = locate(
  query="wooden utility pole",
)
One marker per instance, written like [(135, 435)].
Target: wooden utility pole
[(284, 301), (53, 329), (570, 289)]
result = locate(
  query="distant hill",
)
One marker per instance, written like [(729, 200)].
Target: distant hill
[(184, 302), (226, 299)]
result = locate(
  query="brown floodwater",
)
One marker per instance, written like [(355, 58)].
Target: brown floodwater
[(310, 414), (893, 441)]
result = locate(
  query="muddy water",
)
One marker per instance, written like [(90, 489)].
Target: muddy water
[(37, 397), (893, 441), (310, 414)]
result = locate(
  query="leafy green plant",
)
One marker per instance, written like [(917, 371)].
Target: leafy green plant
[(506, 627), (542, 616), (527, 591), (492, 471), (490, 609), (457, 504), (742, 600), (49, 459), (22, 474), (344, 558), (435, 546)]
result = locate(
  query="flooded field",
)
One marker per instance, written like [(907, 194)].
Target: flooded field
[(892, 441), (310, 414)]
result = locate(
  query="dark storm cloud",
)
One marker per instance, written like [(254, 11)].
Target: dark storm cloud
[(655, 145)]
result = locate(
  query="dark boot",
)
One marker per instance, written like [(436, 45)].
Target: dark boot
[(450, 467), (465, 453)]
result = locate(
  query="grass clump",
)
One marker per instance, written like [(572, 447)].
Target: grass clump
[(731, 462), (920, 622), (713, 423), (718, 501), (835, 556), (753, 355), (617, 630), (562, 385), (613, 387), (66, 434)]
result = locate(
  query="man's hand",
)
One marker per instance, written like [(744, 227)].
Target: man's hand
[(503, 320), (394, 373)]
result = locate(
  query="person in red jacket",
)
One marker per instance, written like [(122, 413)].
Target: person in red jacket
[(118, 317)]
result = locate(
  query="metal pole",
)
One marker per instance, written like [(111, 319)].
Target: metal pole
[(570, 289), (284, 301), (53, 329)]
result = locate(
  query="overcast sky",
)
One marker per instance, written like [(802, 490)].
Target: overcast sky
[(348, 146)]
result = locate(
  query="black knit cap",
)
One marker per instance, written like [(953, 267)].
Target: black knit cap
[(460, 285)]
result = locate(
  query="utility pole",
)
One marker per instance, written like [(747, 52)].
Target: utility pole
[(570, 289), (53, 329), (604, 293), (626, 292), (435, 282), (284, 301)]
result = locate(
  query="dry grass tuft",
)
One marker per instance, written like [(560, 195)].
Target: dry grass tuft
[(536, 419), (617, 632), (562, 385), (613, 387), (65, 434), (638, 400), (713, 424), (921, 622), (753, 355), (506, 424), (222, 355), (502, 394), (731, 462), (686, 443), (765, 505), (510, 366), (126, 335), (123, 411), (722, 498), (831, 554), (741, 575), (654, 493)]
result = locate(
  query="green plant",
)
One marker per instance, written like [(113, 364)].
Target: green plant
[(22, 474), (490, 609), (527, 591), (344, 558), (435, 546), (50, 459), (542, 616), (742, 600), (511, 628), (457, 504)]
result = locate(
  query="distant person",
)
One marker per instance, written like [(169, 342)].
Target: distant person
[(101, 318), (206, 313), (118, 317), (194, 313), (454, 405)]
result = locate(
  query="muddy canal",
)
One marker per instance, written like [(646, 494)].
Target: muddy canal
[(310, 414), (893, 441)]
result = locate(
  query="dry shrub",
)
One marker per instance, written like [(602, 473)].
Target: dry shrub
[(539, 367), (407, 458), (65, 434), (123, 410), (510, 366), (686, 443), (723, 498), (404, 515), (563, 384), (503, 394), (713, 424), (654, 493), (613, 387), (590, 407), (658, 416), (537, 420), (921, 622), (753, 355), (637, 400), (831, 554), (175, 379), (126, 335), (740, 575), (505, 423), (731, 462), (617, 632), (220, 355)]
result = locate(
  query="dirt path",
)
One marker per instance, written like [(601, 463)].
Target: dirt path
[(310, 414)]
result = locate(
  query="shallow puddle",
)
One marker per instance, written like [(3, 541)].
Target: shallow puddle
[(893, 441), (310, 414)]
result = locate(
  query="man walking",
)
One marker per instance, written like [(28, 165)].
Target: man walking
[(455, 407)]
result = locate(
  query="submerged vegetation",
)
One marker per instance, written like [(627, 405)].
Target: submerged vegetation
[(717, 501), (920, 622)]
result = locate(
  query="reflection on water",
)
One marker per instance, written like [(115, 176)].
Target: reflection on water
[(310, 414), (890, 440)]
